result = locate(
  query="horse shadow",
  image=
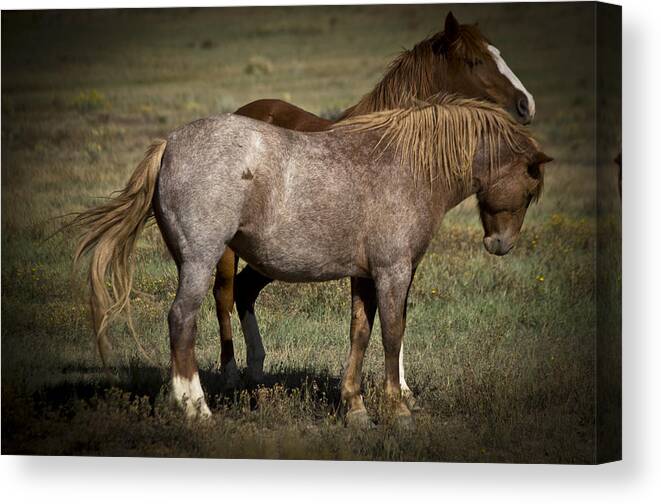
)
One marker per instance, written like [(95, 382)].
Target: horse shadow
[(140, 380)]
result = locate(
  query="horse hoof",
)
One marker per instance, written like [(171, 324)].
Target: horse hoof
[(411, 402), (204, 413), (358, 420), (199, 412), (231, 376), (256, 376), (405, 423)]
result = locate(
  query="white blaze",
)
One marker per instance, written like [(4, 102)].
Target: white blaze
[(507, 72)]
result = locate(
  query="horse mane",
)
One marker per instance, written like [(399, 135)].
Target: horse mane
[(438, 139), (470, 46), (418, 72)]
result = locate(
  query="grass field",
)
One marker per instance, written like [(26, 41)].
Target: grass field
[(500, 351)]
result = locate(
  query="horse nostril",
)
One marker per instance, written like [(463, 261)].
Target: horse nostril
[(497, 245), (492, 244), (522, 107)]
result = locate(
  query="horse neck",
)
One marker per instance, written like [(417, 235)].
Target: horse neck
[(482, 171), (400, 84), (445, 199)]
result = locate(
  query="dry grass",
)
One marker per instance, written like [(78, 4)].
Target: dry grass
[(500, 351)]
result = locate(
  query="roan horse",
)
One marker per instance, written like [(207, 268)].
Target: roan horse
[(361, 200), (458, 60)]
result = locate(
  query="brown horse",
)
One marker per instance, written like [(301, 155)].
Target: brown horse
[(387, 180), (458, 60)]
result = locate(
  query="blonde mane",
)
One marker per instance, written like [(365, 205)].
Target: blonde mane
[(439, 140)]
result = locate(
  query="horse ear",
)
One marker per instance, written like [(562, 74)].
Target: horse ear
[(451, 27), (541, 158)]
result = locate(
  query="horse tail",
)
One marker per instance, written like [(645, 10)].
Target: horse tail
[(109, 232)]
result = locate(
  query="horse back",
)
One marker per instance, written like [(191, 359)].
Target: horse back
[(283, 114)]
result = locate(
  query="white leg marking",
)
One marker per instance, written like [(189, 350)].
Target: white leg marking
[(189, 395), (507, 72), (402, 380), (254, 348)]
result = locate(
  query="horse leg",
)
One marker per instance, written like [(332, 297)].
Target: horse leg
[(392, 286), (186, 390), (363, 309), (249, 284), (407, 394), (223, 292)]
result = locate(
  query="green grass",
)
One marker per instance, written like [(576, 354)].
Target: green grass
[(500, 351)]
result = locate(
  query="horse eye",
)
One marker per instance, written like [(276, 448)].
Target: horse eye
[(472, 63), (533, 171)]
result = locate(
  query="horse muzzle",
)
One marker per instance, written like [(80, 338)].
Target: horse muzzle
[(497, 245)]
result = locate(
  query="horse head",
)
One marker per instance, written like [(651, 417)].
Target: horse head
[(504, 200), (475, 68)]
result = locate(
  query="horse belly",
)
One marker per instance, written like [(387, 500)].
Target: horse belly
[(293, 259)]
